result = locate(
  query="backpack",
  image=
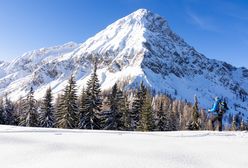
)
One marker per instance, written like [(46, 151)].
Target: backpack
[(222, 107)]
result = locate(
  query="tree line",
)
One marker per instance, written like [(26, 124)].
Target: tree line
[(136, 110)]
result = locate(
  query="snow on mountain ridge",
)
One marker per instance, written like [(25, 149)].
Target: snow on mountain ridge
[(2, 68), (140, 46), (20, 72), (36, 57)]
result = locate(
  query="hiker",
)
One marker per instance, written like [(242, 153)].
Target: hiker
[(218, 109)]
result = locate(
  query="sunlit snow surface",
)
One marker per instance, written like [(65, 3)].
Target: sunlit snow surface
[(46, 148)]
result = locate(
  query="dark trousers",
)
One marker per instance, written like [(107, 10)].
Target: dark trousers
[(217, 118)]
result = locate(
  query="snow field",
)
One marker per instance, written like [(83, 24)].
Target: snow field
[(22, 147)]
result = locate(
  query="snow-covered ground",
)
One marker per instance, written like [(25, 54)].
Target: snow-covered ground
[(49, 148)]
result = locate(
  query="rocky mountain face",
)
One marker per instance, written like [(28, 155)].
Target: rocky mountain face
[(138, 47)]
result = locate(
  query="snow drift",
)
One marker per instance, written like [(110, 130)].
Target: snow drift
[(45, 148)]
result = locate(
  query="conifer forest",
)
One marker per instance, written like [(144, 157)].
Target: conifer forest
[(133, 110)]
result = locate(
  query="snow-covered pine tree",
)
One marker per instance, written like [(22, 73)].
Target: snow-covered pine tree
[(46, 117), (165, 117), (18, 111), (114, 119), (195, 123), (124, 106), (2, 121), (91, 117), (82, 108), (66, 115), (146, 122), (161, 117), (8, 111), (137, 106), (59, 107), (29, 115)]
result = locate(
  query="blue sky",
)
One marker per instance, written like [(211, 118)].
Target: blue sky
[(216, 28)]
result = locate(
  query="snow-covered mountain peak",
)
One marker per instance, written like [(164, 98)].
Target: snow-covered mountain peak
[(126, 40), (143, 19), (149, 19), (140, 12), (138, 47)]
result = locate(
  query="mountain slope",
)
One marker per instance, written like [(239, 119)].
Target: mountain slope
[(140, 46), (3, 65)]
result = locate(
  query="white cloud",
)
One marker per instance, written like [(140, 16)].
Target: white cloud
[(205, 23)]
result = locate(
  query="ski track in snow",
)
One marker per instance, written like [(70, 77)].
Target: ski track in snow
[(22, 147)]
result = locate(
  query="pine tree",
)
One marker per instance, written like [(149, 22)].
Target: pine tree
[(242, 125), (167, 118), (172, 122), (137, 106), (126, 119), (91, 115), (109, 116), (114, 119), (29, 115), (2, 120), (46, 117), (59, 107), (146, 122), (234, 124), (160, 117), (82, 108), (8, 111), (163, 118), (18, 111), (204, 120), (195, 124), (66, 116)]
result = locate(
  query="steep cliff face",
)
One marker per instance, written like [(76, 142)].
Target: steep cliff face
[(138, 47)]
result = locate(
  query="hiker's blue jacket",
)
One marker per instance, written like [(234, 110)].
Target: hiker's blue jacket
[(215, 107)]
